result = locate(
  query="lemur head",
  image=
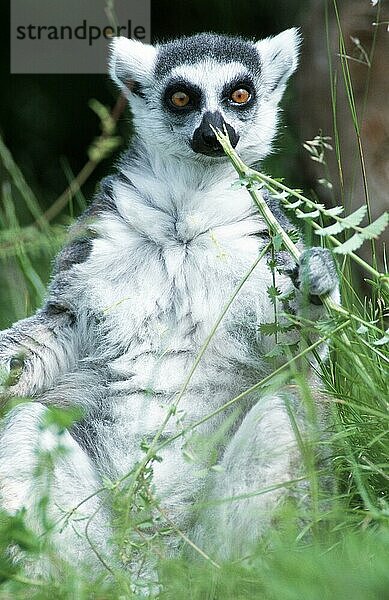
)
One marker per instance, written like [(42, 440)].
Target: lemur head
[(179, 89)]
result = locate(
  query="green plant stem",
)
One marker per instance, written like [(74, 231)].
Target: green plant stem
[(186, 538), (354, 115), (333, 88), (247, 172), (18, 179)]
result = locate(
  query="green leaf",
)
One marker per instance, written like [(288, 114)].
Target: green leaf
[(275, 352), (273, 292), (331, 229), (268, 328), (15, 531), (277, 242), (280, 195), (272, 264), (335, 211), (293, 204), (63, 417), (349, 222), (294, 235), (355, 218), (376, 228), (144, 446), (293, 347), (287, 296), (310, 215), (351, 245), (371, 231)]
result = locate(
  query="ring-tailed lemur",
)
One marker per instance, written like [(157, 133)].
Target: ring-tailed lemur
[(163, 246)]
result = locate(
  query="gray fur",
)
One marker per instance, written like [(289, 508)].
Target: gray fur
[(74, 253), (171, 240), (189, 50), (317, 272), (46, 345)]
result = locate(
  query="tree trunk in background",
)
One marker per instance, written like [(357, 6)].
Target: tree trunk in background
[(315, 113)]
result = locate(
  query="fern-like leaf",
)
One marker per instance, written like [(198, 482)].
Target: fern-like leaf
[(335, 211), (309, 215), (349, 222), (375, 229), (368, 233), (350, 245)]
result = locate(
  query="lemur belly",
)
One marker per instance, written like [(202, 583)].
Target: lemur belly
[(177, 478), (149, 376)]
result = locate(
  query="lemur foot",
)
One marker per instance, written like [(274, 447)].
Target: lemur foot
[(317, 273)]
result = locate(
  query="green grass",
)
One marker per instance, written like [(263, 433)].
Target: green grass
[(342, 550)]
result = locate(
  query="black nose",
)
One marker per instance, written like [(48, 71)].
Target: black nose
[(204, 140)]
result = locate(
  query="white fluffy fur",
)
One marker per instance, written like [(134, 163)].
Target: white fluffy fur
[(280, 59), (23, 440), (161, 268), (129, 57)]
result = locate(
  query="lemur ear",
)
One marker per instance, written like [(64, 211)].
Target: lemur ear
[(131, 62), (279, 56)]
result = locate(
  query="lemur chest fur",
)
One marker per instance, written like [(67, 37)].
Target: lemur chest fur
[(164, 265), (160, 272)]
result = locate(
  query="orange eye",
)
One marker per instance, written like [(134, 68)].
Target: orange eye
[(180, 99), (240, 96)]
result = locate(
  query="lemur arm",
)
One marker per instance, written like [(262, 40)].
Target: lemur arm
[(315, 273), (60, 310), (64, 299)]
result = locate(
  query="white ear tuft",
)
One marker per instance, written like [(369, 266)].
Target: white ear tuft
[(279, 57), (131, 61)]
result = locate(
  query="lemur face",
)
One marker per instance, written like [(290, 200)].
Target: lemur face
[(192, 104), (178, 90)]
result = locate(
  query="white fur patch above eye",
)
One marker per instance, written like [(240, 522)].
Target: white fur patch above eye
[(131, 61)]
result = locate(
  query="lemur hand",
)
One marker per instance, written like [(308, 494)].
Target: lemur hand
[(317, 273)]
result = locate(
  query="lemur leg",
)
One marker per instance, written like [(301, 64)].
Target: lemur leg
[(260, 467), (26, 444), (267, 453)]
